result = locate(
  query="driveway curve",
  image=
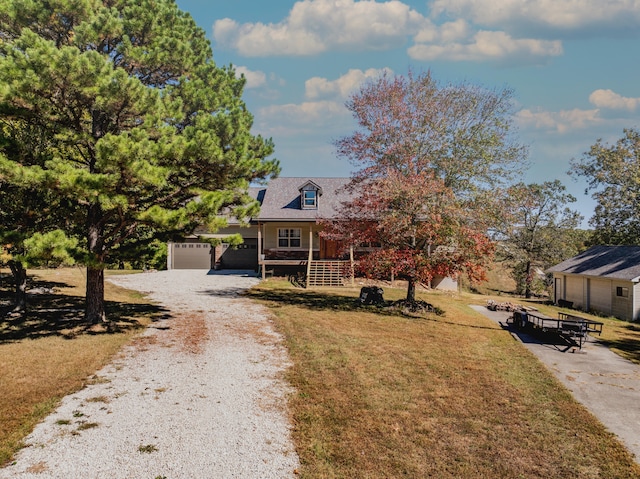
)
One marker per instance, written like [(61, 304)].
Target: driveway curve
[(199, 395)]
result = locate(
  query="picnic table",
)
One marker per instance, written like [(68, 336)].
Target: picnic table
[(573, 328)]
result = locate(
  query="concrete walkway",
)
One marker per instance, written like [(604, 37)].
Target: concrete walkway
[(605, 383)]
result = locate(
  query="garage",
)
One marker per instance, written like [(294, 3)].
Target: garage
[(244, 256), (190, 256)]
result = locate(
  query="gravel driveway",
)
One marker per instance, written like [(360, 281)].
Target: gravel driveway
[(199, 395)]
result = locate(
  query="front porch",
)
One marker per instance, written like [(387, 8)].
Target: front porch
[(311, 267), (314, 272)]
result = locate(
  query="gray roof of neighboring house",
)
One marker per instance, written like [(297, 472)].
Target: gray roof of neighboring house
[(614, 262), (281, 199)]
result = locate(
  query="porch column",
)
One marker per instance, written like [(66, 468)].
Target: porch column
[(353, 274), (310, 258), (260, 262)]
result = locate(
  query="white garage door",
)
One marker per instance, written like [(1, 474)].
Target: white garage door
[(574, 291), (600, 295), (191, 255)]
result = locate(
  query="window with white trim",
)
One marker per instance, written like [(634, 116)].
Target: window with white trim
[(309, 199), (289, 237)]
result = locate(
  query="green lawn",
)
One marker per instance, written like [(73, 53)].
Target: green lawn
[(380, 395), (377, 395)]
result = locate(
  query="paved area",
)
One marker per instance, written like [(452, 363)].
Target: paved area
[(608, 385)]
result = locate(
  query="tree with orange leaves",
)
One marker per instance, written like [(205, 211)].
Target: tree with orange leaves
[(431, 161)]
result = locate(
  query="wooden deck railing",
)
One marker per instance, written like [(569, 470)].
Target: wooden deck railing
[(328, 273)]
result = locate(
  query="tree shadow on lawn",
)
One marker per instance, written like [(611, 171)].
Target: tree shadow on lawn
[(336, 302), (315, 301), (51, 314), (629, 344)]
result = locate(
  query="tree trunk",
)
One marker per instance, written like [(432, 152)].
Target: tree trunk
[(94, 312), (20, 282), (527, 281), (411, 290)]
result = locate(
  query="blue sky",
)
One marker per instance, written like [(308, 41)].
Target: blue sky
[(574, 66)]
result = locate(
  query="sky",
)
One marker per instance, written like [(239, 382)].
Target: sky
[(573, 65)]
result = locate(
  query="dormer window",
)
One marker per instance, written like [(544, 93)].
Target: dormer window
[(309, 195), (310, 199)]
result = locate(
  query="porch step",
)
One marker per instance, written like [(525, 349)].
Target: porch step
[(327, 273)]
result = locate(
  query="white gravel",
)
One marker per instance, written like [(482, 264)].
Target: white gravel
[(200, 395)]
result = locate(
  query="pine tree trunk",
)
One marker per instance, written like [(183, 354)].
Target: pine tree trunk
[(411, 291), (527, 281), (20, 281), (95, 313)]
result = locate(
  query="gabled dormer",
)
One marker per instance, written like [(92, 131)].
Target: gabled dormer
[(310, 194)]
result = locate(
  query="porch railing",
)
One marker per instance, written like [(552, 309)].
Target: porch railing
[(328, 273)]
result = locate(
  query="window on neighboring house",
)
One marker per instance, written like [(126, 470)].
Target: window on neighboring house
[(289, 237), (622, 292), (309, 199)]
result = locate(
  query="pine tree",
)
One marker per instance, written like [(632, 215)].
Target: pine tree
[(142, 131)]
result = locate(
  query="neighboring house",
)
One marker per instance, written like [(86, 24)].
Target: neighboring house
[(603, 279), (284, 236)]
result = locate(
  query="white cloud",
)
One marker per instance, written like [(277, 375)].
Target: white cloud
[(562, 121), (255, 79), (554, 15), (293, 119), (612, 100), (315, 26), (483, 46), (341, 88)]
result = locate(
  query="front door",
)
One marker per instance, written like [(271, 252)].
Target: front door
[(329, 249)]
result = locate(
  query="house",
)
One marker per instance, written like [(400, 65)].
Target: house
[(285, 236), (603, 279)]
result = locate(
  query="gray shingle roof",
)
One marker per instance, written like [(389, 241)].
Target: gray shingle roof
[(615, 262), (281, 200)]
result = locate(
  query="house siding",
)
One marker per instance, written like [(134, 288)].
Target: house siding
[(245, 231), (599, 295), (270, 236), (636, 302), (600, 271), (622, 307)]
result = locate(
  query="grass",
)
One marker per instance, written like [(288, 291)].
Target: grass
[(147, 449), (381, 395), (377, 395), (50, 353)]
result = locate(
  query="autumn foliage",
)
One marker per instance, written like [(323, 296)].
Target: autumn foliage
[(410, 228), (430, 161)]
